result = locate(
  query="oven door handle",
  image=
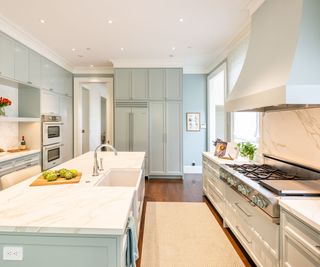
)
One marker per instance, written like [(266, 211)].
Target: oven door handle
[(52, 147)]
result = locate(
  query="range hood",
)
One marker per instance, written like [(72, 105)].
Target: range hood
[(282, 66)]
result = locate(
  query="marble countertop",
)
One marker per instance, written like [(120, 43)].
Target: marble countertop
[(306, 209), (211, 156), (71, 208), (4, 156)]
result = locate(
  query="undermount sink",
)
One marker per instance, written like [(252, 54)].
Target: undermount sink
[(120, 177)]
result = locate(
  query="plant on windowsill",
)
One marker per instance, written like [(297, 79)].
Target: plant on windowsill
[(4, 102), (247, 149)]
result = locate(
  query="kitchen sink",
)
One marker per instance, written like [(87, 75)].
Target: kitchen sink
[(120, 177)]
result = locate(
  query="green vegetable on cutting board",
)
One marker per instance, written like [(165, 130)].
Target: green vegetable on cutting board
[(247, 149)]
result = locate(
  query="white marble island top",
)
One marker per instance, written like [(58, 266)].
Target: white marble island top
[(304, 208), (72, 208)]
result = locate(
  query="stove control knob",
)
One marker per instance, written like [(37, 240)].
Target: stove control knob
[(255, 199), (240, 188)]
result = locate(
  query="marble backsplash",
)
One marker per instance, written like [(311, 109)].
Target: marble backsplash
[(293, 135)]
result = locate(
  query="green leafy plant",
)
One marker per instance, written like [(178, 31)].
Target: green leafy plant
[(247, 149)]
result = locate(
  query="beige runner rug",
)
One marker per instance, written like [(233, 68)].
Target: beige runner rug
[(185, 234)]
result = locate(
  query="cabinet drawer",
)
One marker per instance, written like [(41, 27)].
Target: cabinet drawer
[(216, 198), (301, 234), (6, 167)]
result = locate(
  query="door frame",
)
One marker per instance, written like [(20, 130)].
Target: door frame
[(77, 112)]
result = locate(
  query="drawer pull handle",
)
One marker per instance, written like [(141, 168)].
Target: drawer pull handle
[(247, 214), (317, 247), (238, 228)]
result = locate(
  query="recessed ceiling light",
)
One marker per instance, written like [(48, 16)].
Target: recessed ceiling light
[(88, 48), (73, 49), (181, 20), (171, 55), (173, 48), (110, 21), (121, 48), (91, 66), (42, 21), (80, 55), (189, 47)]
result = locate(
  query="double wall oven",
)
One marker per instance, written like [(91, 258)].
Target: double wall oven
[(51, 141)]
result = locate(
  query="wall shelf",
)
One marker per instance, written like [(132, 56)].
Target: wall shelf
[(18, 119)]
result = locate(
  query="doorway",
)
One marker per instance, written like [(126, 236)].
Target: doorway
[(93, 113)]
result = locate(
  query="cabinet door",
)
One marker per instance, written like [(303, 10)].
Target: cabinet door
[(6, 56), (49, 103), (68, 84), (46, 74), (21, 63), (139, 131), (123, 84), (156, 84), (156, 138), (67, 127), (34, 68), (173, 138), (122, 128), (139, 84), (174, 84)]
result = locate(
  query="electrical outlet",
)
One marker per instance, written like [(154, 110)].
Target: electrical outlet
[(13, 253)]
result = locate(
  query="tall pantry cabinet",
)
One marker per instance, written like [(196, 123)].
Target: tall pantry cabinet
[(156, 93)]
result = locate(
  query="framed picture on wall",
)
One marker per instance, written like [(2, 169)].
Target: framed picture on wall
[(193, 121)]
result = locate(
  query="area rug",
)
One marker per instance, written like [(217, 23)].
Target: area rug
[(181, 234)]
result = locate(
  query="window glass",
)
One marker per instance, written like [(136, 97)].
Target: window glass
[(246, 127)]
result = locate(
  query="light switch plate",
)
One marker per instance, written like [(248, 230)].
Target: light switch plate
[(12, 253)]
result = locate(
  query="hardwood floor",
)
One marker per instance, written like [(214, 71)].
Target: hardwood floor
[(187, 190)]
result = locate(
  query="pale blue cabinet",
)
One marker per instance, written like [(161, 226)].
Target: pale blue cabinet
[(46, 74), (20, 63), (139, 89), (156, 84), (123, 84), (34, 68), (173, 84), (68, 83), (6, 56)]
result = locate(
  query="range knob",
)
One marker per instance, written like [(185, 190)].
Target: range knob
[(255, 199), (260, 202), (240, 188)]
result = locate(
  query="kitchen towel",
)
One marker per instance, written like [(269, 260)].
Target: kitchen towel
[(132, 252)]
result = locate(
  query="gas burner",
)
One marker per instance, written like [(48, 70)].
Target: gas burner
[(262, 172)]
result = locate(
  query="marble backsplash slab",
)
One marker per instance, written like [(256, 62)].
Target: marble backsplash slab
[(293, 135)]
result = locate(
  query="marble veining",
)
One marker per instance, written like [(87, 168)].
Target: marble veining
[(293, 135), (73, 208)]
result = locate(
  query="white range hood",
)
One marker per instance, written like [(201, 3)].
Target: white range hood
[(282, 66)]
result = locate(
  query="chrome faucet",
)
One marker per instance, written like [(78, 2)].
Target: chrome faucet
[(95, 163)]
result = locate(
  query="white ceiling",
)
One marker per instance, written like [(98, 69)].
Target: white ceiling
[(146, 29)]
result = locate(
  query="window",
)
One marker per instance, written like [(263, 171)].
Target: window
[(246, 127), (216, 113)]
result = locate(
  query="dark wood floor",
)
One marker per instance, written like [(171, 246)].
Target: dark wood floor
[(187, 190)]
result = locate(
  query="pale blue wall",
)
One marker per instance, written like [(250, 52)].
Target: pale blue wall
[(194, 100)]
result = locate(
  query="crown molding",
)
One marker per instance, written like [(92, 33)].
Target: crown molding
[(31, 42), (93, 70), (194, 70), (147, 63), (230, 45), (253, 5)]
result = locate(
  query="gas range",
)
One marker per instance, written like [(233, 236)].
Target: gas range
[(263, 184)]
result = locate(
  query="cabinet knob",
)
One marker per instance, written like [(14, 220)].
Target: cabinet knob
[(29, 82), (50, 89)]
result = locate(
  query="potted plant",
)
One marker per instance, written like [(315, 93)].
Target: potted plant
[(247, 149), (4, 102)]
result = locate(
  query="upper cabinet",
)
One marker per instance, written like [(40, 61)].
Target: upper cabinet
[(6, 56), (156, 84), (152, 84), (34, 68), (20, 63), (174, 84)]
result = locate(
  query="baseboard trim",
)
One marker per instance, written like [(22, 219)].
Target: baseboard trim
[(192, 169)]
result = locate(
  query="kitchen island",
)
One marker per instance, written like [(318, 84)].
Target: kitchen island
[(73, 224)]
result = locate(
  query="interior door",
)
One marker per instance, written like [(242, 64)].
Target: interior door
[(122, 128), (139, 131), (85, 120)]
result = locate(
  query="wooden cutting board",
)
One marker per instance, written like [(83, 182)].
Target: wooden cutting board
[(42, 181)]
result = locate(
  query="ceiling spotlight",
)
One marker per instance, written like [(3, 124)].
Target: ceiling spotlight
[(73, 49), (110, 21), (181, 20), (171, 55), (91, 66), (189, 47), (80, 55), (121, 48), (42, 21), (88, 48), (173, 48)]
